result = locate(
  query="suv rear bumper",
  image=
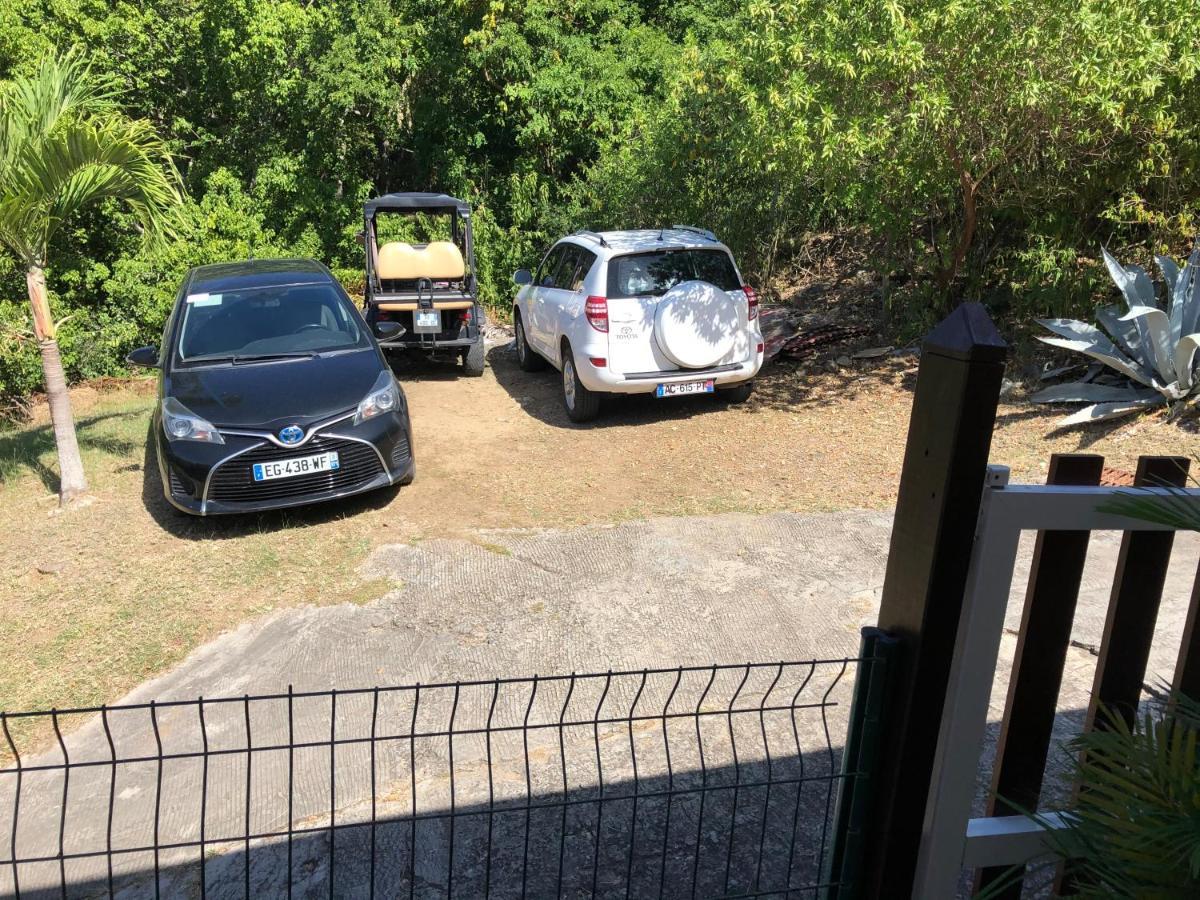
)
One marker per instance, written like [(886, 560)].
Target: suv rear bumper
[(607, 381)]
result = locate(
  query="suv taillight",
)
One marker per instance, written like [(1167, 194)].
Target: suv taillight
[(751, 302), (596, 310)]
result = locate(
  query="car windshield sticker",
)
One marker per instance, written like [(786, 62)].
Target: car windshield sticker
[(204, 299)]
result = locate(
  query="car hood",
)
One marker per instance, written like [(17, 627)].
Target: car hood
[(269, 395)]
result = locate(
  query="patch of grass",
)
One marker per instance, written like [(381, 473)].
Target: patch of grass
[(136, 587), (498, 549), (115, 432), (371, 590)]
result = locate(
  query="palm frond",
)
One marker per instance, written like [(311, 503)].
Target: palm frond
[(1135, 828), (63, 87), (64, 144), (1177, 508), (106, 158)]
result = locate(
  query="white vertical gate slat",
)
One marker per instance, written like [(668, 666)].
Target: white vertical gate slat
[(964, 717)]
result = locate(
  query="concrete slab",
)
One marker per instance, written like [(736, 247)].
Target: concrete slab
[(647, 594)]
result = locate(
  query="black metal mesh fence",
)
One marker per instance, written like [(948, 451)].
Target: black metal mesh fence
[(685, 782)]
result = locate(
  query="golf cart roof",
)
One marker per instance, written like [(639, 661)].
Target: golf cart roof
[(415, 200)]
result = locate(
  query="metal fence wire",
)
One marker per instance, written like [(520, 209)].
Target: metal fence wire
[(715, 781)]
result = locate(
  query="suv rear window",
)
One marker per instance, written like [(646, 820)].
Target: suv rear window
[(655, 273)]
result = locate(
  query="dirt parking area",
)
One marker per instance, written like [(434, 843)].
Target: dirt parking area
[(98, 599)]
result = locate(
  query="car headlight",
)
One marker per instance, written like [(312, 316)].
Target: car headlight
[(181, 424), (383, 397)]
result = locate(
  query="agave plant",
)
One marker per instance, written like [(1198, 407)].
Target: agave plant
[(1151, 352)]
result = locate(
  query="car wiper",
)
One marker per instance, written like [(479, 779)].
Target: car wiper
[(259, 357), (211, 358)]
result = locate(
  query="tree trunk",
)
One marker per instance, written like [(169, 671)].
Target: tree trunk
[(970, 187), (72, 483)]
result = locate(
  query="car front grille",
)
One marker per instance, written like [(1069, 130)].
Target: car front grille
[(177, 486), (233, 482)]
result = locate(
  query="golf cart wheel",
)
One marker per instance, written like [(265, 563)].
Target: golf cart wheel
[(527, 358), (473, 361), (581, 404), (739, 393)]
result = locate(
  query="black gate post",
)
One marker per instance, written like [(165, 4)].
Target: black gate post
[(941, 486), (860, 762)]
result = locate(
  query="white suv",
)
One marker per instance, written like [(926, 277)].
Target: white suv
[(631, 312)]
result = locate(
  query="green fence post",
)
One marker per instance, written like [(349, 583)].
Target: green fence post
[(843, 871)]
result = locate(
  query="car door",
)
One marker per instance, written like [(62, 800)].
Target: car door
[(535, 313), (575, 299), (555, 298)]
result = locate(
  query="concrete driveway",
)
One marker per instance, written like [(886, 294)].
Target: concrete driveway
[(664, 592), (648, 594)]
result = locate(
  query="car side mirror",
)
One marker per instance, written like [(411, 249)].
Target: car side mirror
[(361, 237), (385, 330), (144, 356), (522, 276)]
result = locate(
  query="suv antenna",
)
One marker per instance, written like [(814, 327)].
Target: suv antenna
[(660, 233)]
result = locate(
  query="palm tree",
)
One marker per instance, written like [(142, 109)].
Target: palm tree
[(65, 143)]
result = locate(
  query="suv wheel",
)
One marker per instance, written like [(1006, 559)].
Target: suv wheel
[(527, 358), (582, 405), (739, 393), (473, 359)]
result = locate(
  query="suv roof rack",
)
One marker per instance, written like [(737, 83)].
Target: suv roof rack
[(591, 234), (703, 232)]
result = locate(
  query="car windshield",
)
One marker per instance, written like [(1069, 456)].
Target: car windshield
[(653, 274), (268, 322)]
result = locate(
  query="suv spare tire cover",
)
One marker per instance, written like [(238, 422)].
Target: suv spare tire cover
[(695, 324)]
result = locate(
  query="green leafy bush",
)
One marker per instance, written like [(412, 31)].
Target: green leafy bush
[(980, 149)]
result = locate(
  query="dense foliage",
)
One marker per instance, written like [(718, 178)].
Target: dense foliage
[(980, 149)]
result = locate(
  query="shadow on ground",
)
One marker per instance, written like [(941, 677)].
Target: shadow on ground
[(727, 831), (788, 384), (23, 450), (1087, 435), (750, 828), (540, 395), (423, 366)]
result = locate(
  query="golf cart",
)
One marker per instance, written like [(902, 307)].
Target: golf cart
[(421, 274)]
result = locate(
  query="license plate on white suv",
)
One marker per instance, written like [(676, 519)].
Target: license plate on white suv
[(680, 388), (300, 465)]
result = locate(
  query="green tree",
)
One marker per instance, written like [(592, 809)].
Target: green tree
[(65, 145)]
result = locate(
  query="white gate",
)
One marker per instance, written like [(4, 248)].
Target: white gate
[(951, 839)]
